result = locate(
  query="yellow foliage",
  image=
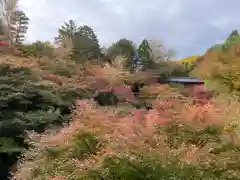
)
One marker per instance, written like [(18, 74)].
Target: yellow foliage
[(223, 67), (190, 59)]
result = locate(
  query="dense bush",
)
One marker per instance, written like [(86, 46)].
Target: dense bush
[(221, 67), (165, 69), (36, 49), (27, 103), (26, 50), (106, 98), (189, 63), (83, 156)]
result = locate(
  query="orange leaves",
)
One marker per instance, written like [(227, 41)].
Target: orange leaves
[(222, 67)]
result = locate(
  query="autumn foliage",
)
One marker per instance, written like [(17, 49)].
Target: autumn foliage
[(73, 115), (176, 138)]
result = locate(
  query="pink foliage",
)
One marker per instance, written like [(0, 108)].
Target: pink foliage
[(99, 84), (200, 93), (149, 118), (154, 117), (195, 89), (124, 93), (162, 104), (52, 77), (138, 115)]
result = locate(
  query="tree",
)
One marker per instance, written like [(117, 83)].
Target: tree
[(22, 22), (154, 56), (104, 50), (43, 48), (144, 52), (88, 32), (189, 62), (136, 61), (234, 33), (86, 43), (66, 31), (232, 40), (159, 52), (125, 48)]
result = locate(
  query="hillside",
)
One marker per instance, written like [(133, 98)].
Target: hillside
[(101, 144), (77, 111), (177, 138)]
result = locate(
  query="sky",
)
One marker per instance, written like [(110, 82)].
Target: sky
[(187, 26)]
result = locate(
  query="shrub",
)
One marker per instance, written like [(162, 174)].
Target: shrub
[(43, 49), (84, 144), (179, 134), (165, 69), (142, 167), (106, 98), (37, 49), (28, 105), (26, 50), (220, 66)]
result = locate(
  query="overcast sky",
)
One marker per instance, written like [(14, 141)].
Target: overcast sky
[(187, 26)]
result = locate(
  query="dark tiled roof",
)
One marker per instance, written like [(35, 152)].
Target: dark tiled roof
[(183, 80)]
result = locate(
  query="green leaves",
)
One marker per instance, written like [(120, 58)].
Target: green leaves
[(145, 167), (26, 105), (8, 145), (67, 30), (84, 144), (145, 54), (36, 49), (85, 45), (124, 48), (80, 147), (182, 134), (22, 27), (233, 39), (84, 41)]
